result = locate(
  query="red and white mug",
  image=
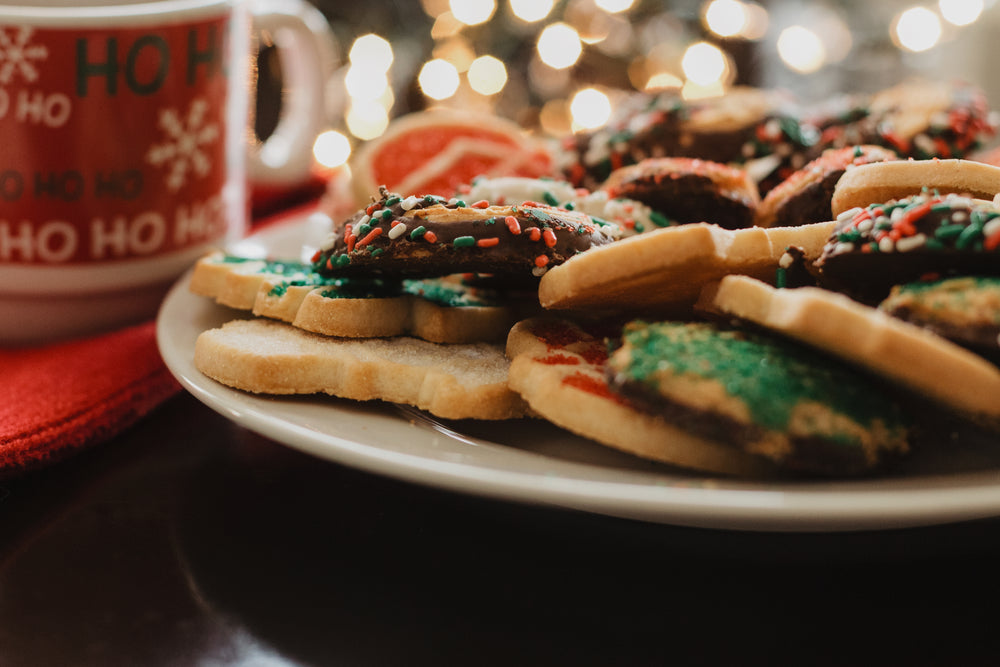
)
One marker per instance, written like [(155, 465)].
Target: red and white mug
[(124, 147)]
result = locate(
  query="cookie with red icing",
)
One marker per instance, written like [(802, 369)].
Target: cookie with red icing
[(559, 368), (805, 196), (410, 236), (437, 150), (689, 190)]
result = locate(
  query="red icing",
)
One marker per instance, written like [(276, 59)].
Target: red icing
[(559, 360), (407, 153), (592, 385)]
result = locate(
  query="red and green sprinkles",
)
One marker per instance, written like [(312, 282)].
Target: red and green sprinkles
[(373, 231), (927, 222)]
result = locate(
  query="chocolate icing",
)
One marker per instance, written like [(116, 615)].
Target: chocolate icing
[(505, 241)]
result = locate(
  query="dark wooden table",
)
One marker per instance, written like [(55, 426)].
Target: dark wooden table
[(190, 541)]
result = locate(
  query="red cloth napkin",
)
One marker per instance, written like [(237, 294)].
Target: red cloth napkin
[(58, 399)]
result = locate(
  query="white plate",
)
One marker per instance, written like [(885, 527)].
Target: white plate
[(531, 461)]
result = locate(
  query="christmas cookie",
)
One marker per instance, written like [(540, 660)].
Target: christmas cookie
[(234, 281), (903, 240), (449, 381), (436, 151), (664, 270), (760, 394), (687, 190), (864, 336), (630, 215), (885, 181), (430, 236), (441, 310), (805, 196), (559, 369), (739, 126), (965, 310), (918, 119)]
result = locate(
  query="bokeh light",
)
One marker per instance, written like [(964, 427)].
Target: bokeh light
[(917, 29), (331, 149), (590, 108), (961, 12), (704, 64), (726, 18), (371, 52), (801, 49), (367, 120), (472, 12), (487, 75), (438, 79), (363, 83), (559, 46), (531, 10), (615, 6)]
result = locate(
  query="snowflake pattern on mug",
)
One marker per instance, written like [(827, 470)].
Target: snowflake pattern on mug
[(18, 55), (185, 138)]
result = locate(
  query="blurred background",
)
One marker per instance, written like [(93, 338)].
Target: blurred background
[(559, 66)]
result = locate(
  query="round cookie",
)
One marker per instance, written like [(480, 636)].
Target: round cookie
[(437, 150), (965, 310), (558, 368), (874, 248), (429, 236), (918, 119), (743, 124), (898, 351), (688, 190), (761, 394), (663, 271), (883, 181), (631, 216), (805, 196)]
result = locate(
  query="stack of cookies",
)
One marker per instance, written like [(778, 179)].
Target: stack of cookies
[(724, 286)]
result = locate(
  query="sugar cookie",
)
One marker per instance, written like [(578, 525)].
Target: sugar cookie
[(884, 181), (664, 270), (449, 381), (862, 335)]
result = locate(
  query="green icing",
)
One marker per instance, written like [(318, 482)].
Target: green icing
[(447, 294), (769, 375)]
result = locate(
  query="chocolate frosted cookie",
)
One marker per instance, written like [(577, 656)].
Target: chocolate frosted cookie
[(762, 395), (882, 245), (741, 125), (965, 310), (918, 119), (430, 236), (805, 196), (687, 190)]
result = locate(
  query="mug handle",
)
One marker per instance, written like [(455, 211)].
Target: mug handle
[(307, 50)]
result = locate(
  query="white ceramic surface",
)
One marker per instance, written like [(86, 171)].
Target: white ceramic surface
[(533, 462)]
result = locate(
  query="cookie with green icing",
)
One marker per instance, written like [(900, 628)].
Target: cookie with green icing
[(900, 241), (421, 237), (441, 310), (925, 364), (760, 394), (964, 309)]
